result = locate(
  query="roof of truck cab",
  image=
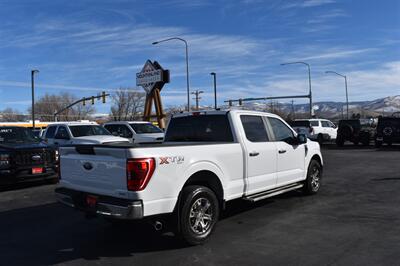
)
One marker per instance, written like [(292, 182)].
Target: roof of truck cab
[(223, 112), (74, 123), (126, 122)]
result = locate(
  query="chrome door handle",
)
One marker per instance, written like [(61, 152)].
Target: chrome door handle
[(282, 151), (254, 153)]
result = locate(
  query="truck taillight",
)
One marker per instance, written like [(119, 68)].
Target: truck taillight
[(139, 172)]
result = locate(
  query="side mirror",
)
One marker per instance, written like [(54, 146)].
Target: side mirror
[(301, 139)]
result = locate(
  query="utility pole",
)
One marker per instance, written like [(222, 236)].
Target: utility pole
[(33, 95), (197, 97)]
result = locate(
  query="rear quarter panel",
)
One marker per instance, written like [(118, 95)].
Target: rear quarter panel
[(175, 165)]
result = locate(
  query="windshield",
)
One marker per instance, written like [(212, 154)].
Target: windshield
[(200, 128), (88, 130), (143, 128), (17, 135)]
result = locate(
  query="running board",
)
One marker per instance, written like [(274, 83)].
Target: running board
[(272, 192)]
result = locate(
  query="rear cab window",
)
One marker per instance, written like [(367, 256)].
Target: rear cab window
[(207, 128)]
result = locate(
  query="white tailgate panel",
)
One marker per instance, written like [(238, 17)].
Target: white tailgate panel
[(107, 176)]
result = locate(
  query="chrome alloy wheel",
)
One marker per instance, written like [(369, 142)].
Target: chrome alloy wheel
[(201, 216), (315, 178)]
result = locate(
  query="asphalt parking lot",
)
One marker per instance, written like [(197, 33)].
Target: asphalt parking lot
[(354, 220)]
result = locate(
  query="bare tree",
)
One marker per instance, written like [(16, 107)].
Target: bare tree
[(47, 105), (127, 105), (11, 115)]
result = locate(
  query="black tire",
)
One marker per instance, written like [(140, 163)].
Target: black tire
[(365, 142), (378, 143), (339, 142), (194, 202), (313, 181), (320, 139)]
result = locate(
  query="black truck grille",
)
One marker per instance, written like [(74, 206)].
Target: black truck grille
[(35, 157)]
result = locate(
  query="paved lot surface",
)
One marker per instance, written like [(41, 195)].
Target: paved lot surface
[(354, 220)]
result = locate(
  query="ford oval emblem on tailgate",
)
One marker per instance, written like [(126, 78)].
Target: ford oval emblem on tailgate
[(88, 166)]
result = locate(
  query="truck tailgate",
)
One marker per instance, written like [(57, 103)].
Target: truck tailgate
[(94, 169)]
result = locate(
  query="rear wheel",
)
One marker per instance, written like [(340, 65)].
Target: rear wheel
[(199, 214), (314, 175)]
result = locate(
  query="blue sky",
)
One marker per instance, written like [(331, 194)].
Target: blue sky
[(85, 47)]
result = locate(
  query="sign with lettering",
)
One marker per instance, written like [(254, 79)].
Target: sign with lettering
[(152, 76)]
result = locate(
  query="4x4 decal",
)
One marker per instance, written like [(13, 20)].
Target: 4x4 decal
[(172, 159)]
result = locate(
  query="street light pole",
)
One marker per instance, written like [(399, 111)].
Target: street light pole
[(33, 95), (309, 82), (187, 65), (345, 85), (215, 89)]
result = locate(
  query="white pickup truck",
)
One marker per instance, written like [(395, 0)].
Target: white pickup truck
[(207, 159)]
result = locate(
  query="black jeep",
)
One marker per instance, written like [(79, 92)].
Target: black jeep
[(388, 131), (24, 157), (356, 131)]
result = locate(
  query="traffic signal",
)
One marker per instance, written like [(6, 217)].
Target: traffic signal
[(230, 102), (240, 101), (92, 99), (84, 101), (103, 96)]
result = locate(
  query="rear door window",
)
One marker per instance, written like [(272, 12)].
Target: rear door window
[(254, 128), (314, 123)]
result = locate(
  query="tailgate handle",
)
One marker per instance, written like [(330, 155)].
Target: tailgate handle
[(89, 150)]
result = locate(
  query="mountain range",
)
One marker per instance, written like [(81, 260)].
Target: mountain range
[(382, 106)]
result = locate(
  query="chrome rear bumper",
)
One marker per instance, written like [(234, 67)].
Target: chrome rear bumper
[(129, 210)]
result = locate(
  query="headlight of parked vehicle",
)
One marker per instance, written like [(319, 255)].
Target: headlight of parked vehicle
[(4, 160)]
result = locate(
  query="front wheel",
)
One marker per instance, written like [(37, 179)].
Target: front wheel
[(199, 214), (314, 175)]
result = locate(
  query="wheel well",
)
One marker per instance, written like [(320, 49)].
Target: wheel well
[(318, 159), (210, 180)]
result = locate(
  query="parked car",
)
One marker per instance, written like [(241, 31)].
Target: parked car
[(388, 131), (356, 131), (315, 129), (136, 131), (67, 133), (24, 157), (207, 159)]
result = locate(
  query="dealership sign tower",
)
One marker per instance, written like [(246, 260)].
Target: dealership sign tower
[(153, 78)]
